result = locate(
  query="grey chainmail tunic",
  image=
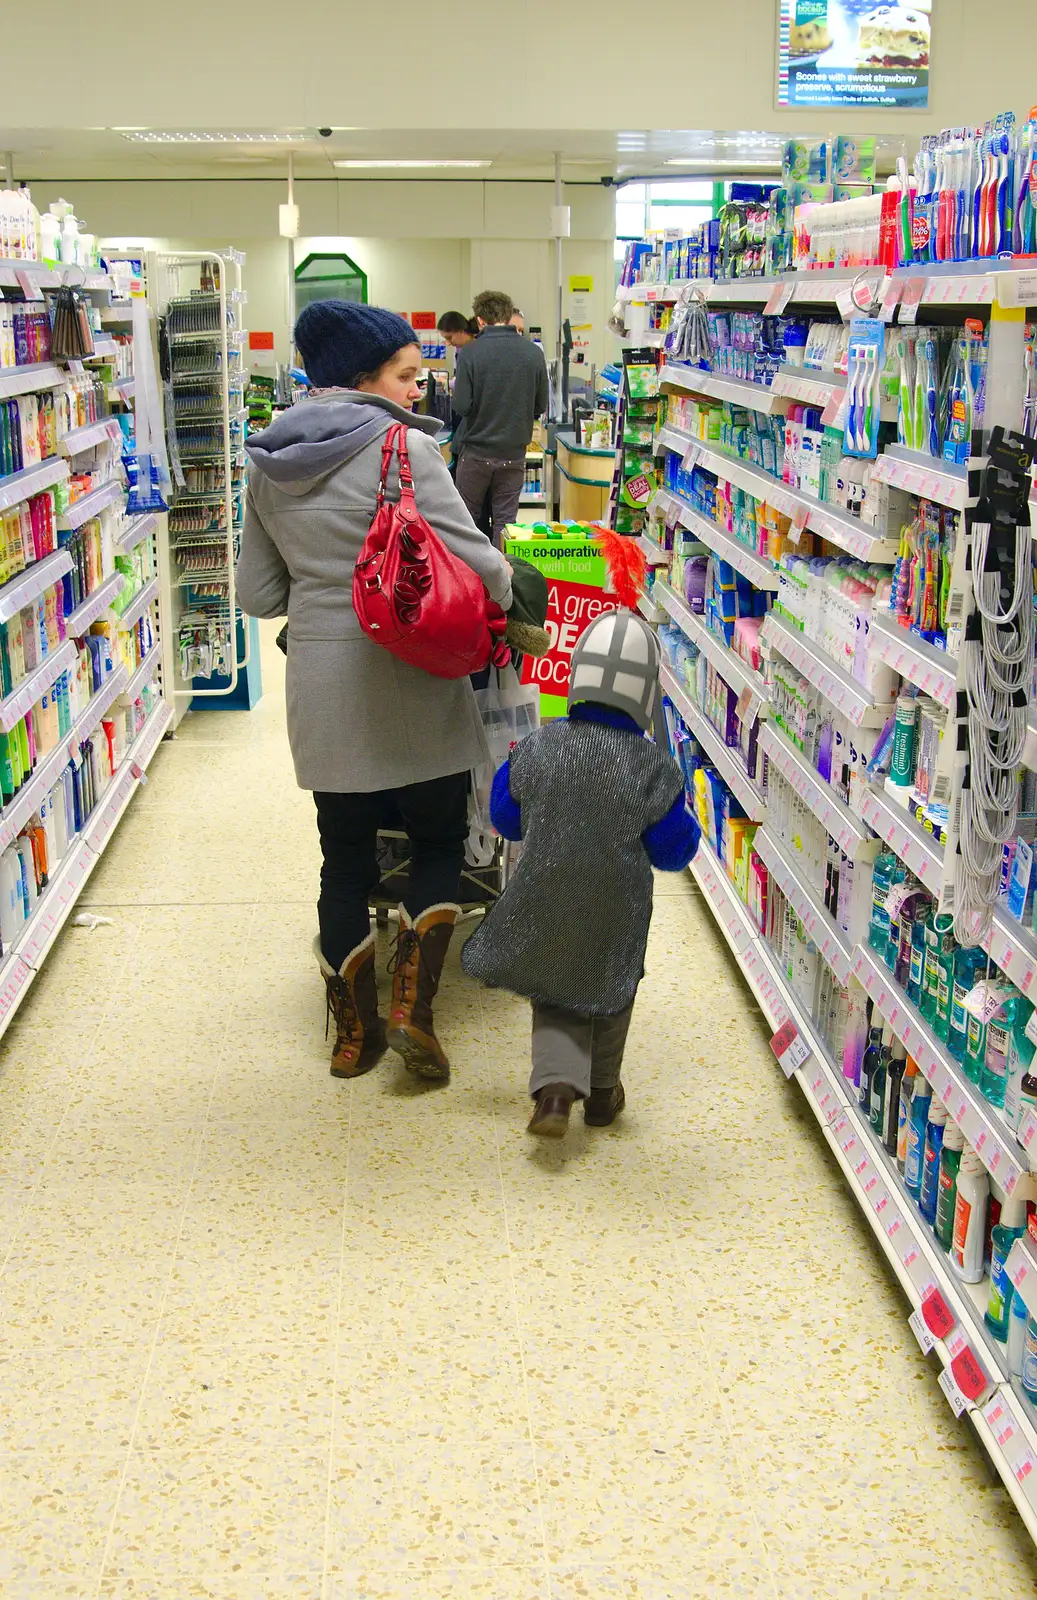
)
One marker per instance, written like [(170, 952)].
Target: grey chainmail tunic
[(571, 927)]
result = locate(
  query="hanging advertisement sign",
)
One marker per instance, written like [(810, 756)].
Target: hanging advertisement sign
[(854, 53), (576, 577)]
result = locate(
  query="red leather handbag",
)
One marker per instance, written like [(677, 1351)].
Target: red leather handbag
[(413, 596)]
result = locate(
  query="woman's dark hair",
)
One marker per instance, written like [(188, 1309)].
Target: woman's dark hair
[(457, 322)]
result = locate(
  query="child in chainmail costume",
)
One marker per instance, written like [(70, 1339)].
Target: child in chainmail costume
[(597, 806)]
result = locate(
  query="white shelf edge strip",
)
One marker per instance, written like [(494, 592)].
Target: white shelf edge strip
[(79, 440), (845, 692), (27, 379), (92, 607), (32, 582), (833, 943), (932, 670), (138, 605), (17, 813), (812, 789), (138, 529), (732, 668), (726, 760), (91, 505), (759, 570), (904, 835), (33, 687), (19, 486), (142, 674)]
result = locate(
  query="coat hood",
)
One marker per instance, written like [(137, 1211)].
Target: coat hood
[(320, 433)]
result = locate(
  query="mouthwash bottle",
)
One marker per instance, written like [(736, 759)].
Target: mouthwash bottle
[(934, 1131), (993, 1080), (907, 1089), (968, 965), (939, 941), (917, 1122), (947, 1184), (916, 960), (895, 1068), (878, 1080), (1010, 1227), (1021, 1096), (975, 1047), (945, 958), (888, 870), (869, 1064)]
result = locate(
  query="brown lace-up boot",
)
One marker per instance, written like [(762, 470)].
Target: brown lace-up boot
[(353, 1003), (416, 966)]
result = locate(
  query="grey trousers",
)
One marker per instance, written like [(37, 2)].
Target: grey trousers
[(586, 1052), (501, 480)]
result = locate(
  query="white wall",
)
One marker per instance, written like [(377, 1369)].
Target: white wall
[(424, 246), (338, 62)]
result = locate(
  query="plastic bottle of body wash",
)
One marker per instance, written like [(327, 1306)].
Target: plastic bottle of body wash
[(970, 1218), (877, 1096), (895, 1069)]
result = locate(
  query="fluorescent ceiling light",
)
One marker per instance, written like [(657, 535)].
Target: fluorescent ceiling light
[(365, 163), (713, 161), (167, 136)]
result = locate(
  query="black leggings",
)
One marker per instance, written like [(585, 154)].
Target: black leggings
[(435, 815)]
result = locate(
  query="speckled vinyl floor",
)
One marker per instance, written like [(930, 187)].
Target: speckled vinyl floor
[(269, 1336)]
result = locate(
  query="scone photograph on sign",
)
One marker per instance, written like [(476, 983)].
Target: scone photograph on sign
[(894, 36)]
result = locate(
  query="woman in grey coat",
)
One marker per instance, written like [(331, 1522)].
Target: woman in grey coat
[(365, 727)]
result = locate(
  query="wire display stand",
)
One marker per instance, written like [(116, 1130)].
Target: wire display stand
[(200, 302)]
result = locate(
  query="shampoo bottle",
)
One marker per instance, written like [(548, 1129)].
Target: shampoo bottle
[(868, 1065), (968, 1244), (878, 1080)]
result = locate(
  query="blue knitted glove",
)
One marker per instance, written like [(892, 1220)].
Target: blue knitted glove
[(672, 841)]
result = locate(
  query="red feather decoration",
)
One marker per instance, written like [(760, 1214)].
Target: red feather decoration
[(626, 565)]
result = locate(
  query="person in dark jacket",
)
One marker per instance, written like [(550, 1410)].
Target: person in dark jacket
[(597, 805), (500, 389)]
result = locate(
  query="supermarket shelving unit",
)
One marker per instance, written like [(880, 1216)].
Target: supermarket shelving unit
[(946, 1313), (96, 444)]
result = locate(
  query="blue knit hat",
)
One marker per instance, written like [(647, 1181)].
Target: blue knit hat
[(339, 341)]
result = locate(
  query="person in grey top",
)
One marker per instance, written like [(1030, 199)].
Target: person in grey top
[(597, 805), (500, 389), (367, 730)]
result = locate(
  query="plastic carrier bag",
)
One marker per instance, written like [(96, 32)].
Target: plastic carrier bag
[(509, 711)]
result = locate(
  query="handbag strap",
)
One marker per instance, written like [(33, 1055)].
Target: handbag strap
[(396, 439)]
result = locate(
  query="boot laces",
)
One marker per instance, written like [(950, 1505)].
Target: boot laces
[(342, 1006), (399, 961)]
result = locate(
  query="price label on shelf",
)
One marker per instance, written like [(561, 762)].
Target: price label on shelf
[(790, 1047), (779, 297), (692, 456), (911, 298), (955, 1399), (936, 1313), (969, 1374), (925, 1339), (29, 285), (889, 298), (1024, 1466)]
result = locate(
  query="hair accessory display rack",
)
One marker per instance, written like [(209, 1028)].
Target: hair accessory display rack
[(95, 695), (199, 299)]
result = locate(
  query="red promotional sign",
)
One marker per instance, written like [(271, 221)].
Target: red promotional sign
[(423, 319), (571, 608), (258, 340)]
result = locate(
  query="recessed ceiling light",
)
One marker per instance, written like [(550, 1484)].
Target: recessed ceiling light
[(168, 136), (364, 163)]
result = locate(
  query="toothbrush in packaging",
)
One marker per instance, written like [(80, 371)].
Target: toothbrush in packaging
[(867, 359)]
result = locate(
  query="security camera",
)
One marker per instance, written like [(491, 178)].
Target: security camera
[(606, 183), (325, 133)]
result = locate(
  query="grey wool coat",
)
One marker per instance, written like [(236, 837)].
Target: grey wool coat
[(358, 718)]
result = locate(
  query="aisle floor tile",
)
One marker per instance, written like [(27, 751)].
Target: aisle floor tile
[(270, 1335)]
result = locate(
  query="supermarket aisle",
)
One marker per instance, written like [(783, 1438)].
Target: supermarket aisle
[(266, 1336)]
